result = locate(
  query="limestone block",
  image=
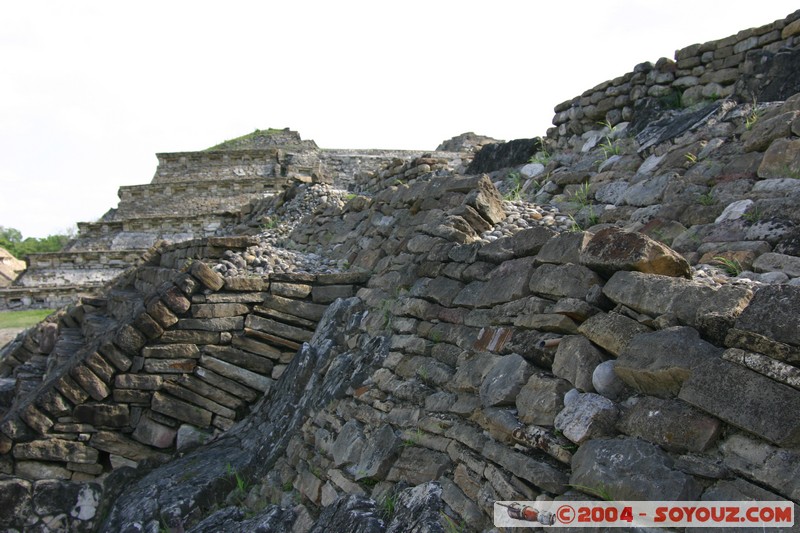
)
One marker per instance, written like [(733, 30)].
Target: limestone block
[(781, 160), (694, 304), (418, 465), (589, 416), (138, 381), (100, 367), (175, 300), (647, 192), (121, 361), (378, 455), (558, 281), (88, 381), (627, 468), (240, 375), (709, 388), (150, 432), (564, 247), (658, 363), (672, 424), (192, 397), (776, 468), (611, 331), (612, 249), (273, 327), (99, 414), (55, 450), (36, 420), (218, 310), (228, 385), (504, 381), (206, 276), (246, 360), (256, 347), (17, 508), (774, 262), (773, 313), (148, 325), (763, 132), (169, 366), (212, 324), (575, 360), (172, 351), (538, 473), (180, 410), (541, 399), (129, 340), (765, 365), (416, 505), (528, 242)]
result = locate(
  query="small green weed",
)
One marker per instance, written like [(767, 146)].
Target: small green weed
[(706, 199), (269, 224), (451, 526), (609, 146), (575, 225), (691, 158), (242, 486), (414, 439), (515, 190), (583, 195), (753, 215), (542, 157), (732, 267), (288, 486), (599, 492), (752, 118), (388, 504)]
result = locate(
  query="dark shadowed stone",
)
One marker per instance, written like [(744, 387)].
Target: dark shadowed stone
[(773, 312), (730, 490), (497, 251), (507, 282), (776, 468), (272, 519), (558, 281), (16, 509), (536, 472), (80, 500), (348, 445), (503, 155), (589, 416), (768, 76), (504, 381), (418, 509), (350, 514), (379, 453), (150, 432), (56, 450), (658, 363), (575, 360), (627, 468), (206, 276), (99, 414), (418, 464), (541, 399), (130, 340), (611, 331), (711, 310), (530, 241), (486, 200), (754, 407), (612, 249), (672, 424), (564, 248)]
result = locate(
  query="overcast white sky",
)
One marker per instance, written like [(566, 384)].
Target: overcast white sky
[(91, 90)]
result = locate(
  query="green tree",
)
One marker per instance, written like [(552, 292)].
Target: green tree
[(11, 239)]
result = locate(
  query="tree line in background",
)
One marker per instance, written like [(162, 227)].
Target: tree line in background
[(11, 239)]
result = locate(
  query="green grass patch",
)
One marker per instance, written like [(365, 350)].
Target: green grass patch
[(23, 319)]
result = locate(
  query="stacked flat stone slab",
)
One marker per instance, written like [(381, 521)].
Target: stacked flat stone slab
[(701, 72), (194, 354), (198, 194)]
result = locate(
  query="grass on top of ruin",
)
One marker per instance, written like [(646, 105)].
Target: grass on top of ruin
[(23, 319)]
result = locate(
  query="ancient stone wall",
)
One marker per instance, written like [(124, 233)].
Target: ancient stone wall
[(701, 72)]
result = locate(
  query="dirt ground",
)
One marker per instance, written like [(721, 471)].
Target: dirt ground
[(7, 335)]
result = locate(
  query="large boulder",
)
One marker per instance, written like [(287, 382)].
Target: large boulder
[(612, 249), (626, 468), (503, 155)]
